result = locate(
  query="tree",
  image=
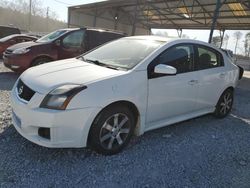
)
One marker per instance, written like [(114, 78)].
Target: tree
[(161, 33), (237, 35), (185, 36), (247, 44), (37, 8), (216, 41), (38, 12), (225, 41)]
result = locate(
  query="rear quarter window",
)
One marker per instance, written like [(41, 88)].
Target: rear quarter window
[(97, 38)]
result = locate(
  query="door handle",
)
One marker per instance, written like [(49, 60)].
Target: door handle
[(192, 82)]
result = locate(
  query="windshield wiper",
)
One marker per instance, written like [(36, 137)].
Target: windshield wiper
[(96, 62)]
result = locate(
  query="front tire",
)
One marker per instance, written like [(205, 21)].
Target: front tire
[(40, 61), (112, 130), (225, 103)]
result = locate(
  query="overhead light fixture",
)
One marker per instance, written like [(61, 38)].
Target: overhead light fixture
[(150, 14), (77, 7), (237, 9), (186, 13)]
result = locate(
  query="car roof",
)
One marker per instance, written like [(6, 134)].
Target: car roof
[(150, 37), (163, 39), (70, 29), (21, 35), (9, 27), (94, 29), (167, 40)]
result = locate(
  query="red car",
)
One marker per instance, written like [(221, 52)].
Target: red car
[(60, 44), (14, 39)]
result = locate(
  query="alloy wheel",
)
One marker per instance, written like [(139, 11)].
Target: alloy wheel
[(114, 131), (226, 103)]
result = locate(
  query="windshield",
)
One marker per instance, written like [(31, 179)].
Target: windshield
[(4, 39), (123, 53), (51, 36)]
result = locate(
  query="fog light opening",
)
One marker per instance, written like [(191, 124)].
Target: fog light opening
[(14, 66), (44, 132)]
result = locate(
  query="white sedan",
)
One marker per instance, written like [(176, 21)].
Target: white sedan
[(128, 86)]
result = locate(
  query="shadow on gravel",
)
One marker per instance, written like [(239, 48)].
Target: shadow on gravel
[(244, 83), (203, 152), (7, 80)]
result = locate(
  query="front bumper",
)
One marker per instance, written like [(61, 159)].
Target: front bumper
[(17, 63), (68, 128)]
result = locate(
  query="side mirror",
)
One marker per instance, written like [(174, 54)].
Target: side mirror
[(165, 69), (58, 43)]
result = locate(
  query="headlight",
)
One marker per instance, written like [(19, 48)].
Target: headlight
[(21, 51), (60, 97)]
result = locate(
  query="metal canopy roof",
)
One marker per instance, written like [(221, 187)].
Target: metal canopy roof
[(177, 14)]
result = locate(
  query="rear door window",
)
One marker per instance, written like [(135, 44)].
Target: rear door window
[(208, 58), (97, 38)]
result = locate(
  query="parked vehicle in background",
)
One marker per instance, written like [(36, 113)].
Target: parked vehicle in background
[(7, 30), (128, 86), (60, 44), (14, 39), (34, 35), (229, 53), (233, 58)]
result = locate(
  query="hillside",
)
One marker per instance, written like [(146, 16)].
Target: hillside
[(21, 20)]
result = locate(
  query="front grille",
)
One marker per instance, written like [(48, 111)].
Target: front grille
[(23, 91)]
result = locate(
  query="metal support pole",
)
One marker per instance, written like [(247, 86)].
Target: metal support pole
[(116, 19), (179, 32), (116, 22), (149, 31), (216, 14), (135, 19), (94, 22), (69, 17), (222, 33)]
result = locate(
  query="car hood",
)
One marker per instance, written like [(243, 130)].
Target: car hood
[(47, 77), (24, 45)]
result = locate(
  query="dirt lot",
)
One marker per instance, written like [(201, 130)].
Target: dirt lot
[(203, 152)]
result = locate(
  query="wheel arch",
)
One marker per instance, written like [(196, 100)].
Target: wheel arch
[(127, 103), (217, 112), (41, 56), (223, 91), (227, 88)]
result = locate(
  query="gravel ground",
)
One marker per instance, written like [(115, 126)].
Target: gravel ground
[(203, 152)]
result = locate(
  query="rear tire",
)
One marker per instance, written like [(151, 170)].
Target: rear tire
[(225, 103), (112, 130), (40, 61)]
